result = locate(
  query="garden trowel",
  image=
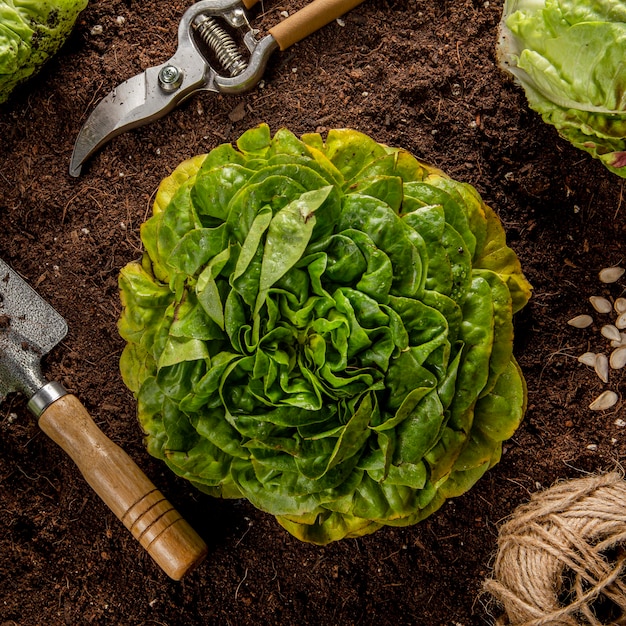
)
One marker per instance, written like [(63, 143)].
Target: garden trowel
[(30, 328)]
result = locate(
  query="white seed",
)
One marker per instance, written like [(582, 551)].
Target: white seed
[(601, 305), (610, 332), (592, 446), (620, 305), (611, 274), (581, 321), (620, 322), (605, 400), (619, 422), (601, 367), (618, 358), (589, 358), (616, 344)]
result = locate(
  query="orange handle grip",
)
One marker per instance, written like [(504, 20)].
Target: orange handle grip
[(124, 488), (310, 19)]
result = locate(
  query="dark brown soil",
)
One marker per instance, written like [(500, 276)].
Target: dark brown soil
[(411, 73)]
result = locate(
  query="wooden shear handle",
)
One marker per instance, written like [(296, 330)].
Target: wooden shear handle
[(307, 20)]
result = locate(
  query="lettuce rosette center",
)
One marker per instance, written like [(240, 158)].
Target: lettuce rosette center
[(323, 328)]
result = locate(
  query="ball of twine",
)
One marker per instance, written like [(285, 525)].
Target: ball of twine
[(561, 557)]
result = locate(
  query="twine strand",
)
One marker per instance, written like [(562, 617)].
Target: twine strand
[(567, 544)]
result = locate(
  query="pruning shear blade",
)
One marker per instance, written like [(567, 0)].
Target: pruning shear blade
[(156, 91)]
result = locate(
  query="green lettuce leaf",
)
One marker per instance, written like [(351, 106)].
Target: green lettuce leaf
[(323, 328), (568, 56), (31, 31)]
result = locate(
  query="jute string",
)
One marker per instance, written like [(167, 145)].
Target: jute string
[(552, 566)]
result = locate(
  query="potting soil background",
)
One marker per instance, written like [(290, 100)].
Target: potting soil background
[(410, 73)]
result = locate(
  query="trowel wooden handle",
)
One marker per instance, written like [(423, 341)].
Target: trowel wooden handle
[(124, 488), (310, 19)]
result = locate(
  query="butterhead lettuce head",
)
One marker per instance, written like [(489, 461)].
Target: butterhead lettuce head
[(569, 57), (323, 328), (31, 31)]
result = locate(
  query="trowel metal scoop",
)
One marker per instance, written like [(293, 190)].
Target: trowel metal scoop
[(29, 329)]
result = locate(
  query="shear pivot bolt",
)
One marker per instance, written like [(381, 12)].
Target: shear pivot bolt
[(170, 78), (238, 18)]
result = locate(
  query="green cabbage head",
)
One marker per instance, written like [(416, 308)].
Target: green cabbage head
[(569, 57), (325, 329), (31, 31)]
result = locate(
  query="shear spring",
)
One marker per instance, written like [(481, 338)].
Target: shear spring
[(221, 43)]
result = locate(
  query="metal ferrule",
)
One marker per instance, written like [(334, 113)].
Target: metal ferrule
[(45, 397)]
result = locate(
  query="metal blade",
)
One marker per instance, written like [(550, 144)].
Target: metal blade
[(29, 328), (109, 118), (137, 102), (153, 93)]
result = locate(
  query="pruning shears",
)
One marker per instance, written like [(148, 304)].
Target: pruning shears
[(208, 58)]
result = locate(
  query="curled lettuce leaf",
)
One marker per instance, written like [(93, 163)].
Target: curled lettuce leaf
[(31, 31), (325, 329), (568, 56)]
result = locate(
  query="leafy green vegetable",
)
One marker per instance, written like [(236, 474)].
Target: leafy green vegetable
[(31, 31), (568, 55), (325, 329)]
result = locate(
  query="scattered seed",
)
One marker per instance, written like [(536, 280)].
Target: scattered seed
[(589, 358), (610, 332), (621, 342), (600, 304), (581, 321), (611, 274), (618, 358), (620, 423), (604, 401), (601, 367), (592, 446), (620, 322)]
